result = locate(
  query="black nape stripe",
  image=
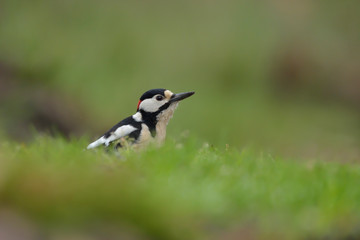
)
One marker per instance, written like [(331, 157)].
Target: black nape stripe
[(162, 108), (149, 119)]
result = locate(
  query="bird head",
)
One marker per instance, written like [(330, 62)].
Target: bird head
[(159, 100)]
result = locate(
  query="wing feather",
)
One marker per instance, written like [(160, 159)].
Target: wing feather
[(107, 138)]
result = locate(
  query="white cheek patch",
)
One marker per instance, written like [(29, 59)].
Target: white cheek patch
[(151, 105)]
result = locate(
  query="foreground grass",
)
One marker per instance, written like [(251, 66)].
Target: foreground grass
[(186, 191)]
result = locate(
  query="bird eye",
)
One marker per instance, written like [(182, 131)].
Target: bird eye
[(159, 98)]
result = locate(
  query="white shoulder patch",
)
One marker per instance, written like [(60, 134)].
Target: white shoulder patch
[(137, 117), (119, 133)]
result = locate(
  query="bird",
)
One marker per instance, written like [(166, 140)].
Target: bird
[(154, 110)]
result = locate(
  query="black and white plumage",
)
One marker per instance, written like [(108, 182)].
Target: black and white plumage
[(155, 109)]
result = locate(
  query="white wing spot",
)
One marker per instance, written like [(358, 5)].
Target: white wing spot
[(137, 117), (119, 133)]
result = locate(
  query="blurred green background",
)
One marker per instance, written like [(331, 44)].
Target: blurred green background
[(280, 79), (279, 76)]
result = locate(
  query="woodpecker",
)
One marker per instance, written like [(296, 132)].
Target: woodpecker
[(154, 110)]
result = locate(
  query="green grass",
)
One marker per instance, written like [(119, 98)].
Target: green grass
[(183, 190)]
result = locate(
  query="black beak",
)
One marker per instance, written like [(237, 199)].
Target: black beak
[(180, 96)]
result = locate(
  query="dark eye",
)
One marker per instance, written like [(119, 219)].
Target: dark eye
[(159, 98)]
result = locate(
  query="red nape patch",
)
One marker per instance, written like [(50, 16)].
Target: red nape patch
[(138, 105)]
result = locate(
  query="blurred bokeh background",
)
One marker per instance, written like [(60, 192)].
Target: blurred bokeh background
[(279, 76)]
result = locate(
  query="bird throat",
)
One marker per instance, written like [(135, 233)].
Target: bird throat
[(163, 119), (158, 121)]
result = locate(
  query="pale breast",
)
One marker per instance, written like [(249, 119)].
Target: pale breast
[(162, 122), (144, 138)]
